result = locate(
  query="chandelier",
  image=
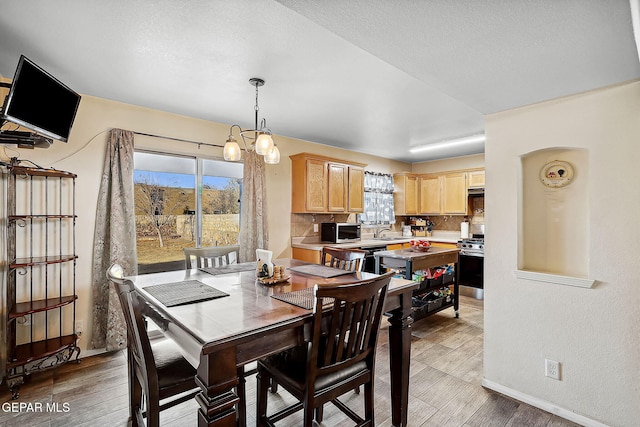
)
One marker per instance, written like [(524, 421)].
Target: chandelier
[(258, 138)]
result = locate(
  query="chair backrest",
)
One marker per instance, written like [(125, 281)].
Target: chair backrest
[(139, 346), (347, 334), (212, 256), (344, 259)]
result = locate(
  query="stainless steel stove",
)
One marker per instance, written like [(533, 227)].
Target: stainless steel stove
[(472, 247), (471, 267)]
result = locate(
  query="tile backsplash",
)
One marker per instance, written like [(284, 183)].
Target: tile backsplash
[(302, 224)]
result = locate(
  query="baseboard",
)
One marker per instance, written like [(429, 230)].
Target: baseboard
[(542, 404)]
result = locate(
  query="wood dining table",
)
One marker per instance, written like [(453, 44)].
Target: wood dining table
[(219, 335)]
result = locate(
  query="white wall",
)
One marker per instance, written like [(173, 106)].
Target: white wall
[(594, 333)]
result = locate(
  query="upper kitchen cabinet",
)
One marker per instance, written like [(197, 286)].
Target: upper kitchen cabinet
[(454, 193), (356, 189), (405, 193), (326, 185), (432, 194), (476, 178)]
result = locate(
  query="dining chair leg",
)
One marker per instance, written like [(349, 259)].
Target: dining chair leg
[(307, 410), (319, 413), (368, 402), (242, 398), (263, 381), (135, 391)]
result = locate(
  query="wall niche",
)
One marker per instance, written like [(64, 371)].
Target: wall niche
[(553, 239)]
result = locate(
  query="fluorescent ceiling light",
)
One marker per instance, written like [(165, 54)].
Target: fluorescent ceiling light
[(467, 140)]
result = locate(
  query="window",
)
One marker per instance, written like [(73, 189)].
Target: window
[(172, 215)]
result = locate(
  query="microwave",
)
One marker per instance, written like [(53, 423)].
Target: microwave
[(339, 232)]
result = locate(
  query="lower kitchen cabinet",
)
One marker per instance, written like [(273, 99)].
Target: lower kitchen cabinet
[(309, 255)]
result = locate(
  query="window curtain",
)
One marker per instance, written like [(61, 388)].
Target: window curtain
[(114, 240), (254, 232), (378, 199)]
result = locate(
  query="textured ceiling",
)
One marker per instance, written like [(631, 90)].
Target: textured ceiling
[(372, 76)]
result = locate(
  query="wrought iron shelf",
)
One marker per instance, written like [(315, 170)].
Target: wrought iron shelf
[(29, 352), (25, 217), (23, 308), (43, 260), (54, 173)]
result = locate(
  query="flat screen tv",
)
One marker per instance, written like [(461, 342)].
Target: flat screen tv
[(40, 102)]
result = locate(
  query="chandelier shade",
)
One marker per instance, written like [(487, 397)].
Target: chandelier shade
[(273, 156), (232, 151), (258, 138)]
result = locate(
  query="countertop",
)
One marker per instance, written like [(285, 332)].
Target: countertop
[(367, 241)]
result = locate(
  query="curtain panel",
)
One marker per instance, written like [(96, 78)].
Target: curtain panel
[(254, 233), (114, 240)]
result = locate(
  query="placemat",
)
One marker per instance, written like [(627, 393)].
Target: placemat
[(187, 292), (319, 270), (302, 298), (231, 268)]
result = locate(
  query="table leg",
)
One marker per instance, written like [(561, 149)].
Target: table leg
[(399, 359), (408, 271), (456, 290), (217, 377)]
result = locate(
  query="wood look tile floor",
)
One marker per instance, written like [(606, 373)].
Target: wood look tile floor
[(445, 390)]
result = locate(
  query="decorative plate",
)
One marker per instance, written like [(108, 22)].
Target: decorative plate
[(272, 280), (556, 174)]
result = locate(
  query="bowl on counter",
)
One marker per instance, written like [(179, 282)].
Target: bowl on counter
[(420, 245)]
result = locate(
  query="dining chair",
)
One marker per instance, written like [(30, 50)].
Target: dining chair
[(339, 357), (212, 256), (159, 377), (344, 259)]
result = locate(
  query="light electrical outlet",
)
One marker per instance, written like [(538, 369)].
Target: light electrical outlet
[(79, 327), (315, 228), (552, 369)]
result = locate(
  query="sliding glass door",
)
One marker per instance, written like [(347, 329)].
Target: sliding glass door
[(183, 202)]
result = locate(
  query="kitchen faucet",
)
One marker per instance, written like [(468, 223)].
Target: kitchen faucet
[(377, 233)]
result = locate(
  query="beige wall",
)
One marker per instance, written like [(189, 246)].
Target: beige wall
[(594, 333), (454, 163), (84, 155)]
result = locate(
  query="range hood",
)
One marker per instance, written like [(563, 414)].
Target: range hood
[(476, 191)]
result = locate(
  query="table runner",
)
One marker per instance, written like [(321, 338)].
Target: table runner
[(302, 298), (231, 268), (187, 292), (320, 270)]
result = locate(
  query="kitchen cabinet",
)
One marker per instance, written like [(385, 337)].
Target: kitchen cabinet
[(338, 179), (476, 178), (405, 195), (309, 255), (322, 184), (454, 193), (356, 189), (430, 195), (443, 194), (41, 260)]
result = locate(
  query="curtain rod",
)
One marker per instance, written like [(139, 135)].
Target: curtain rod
[(178, 139)]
